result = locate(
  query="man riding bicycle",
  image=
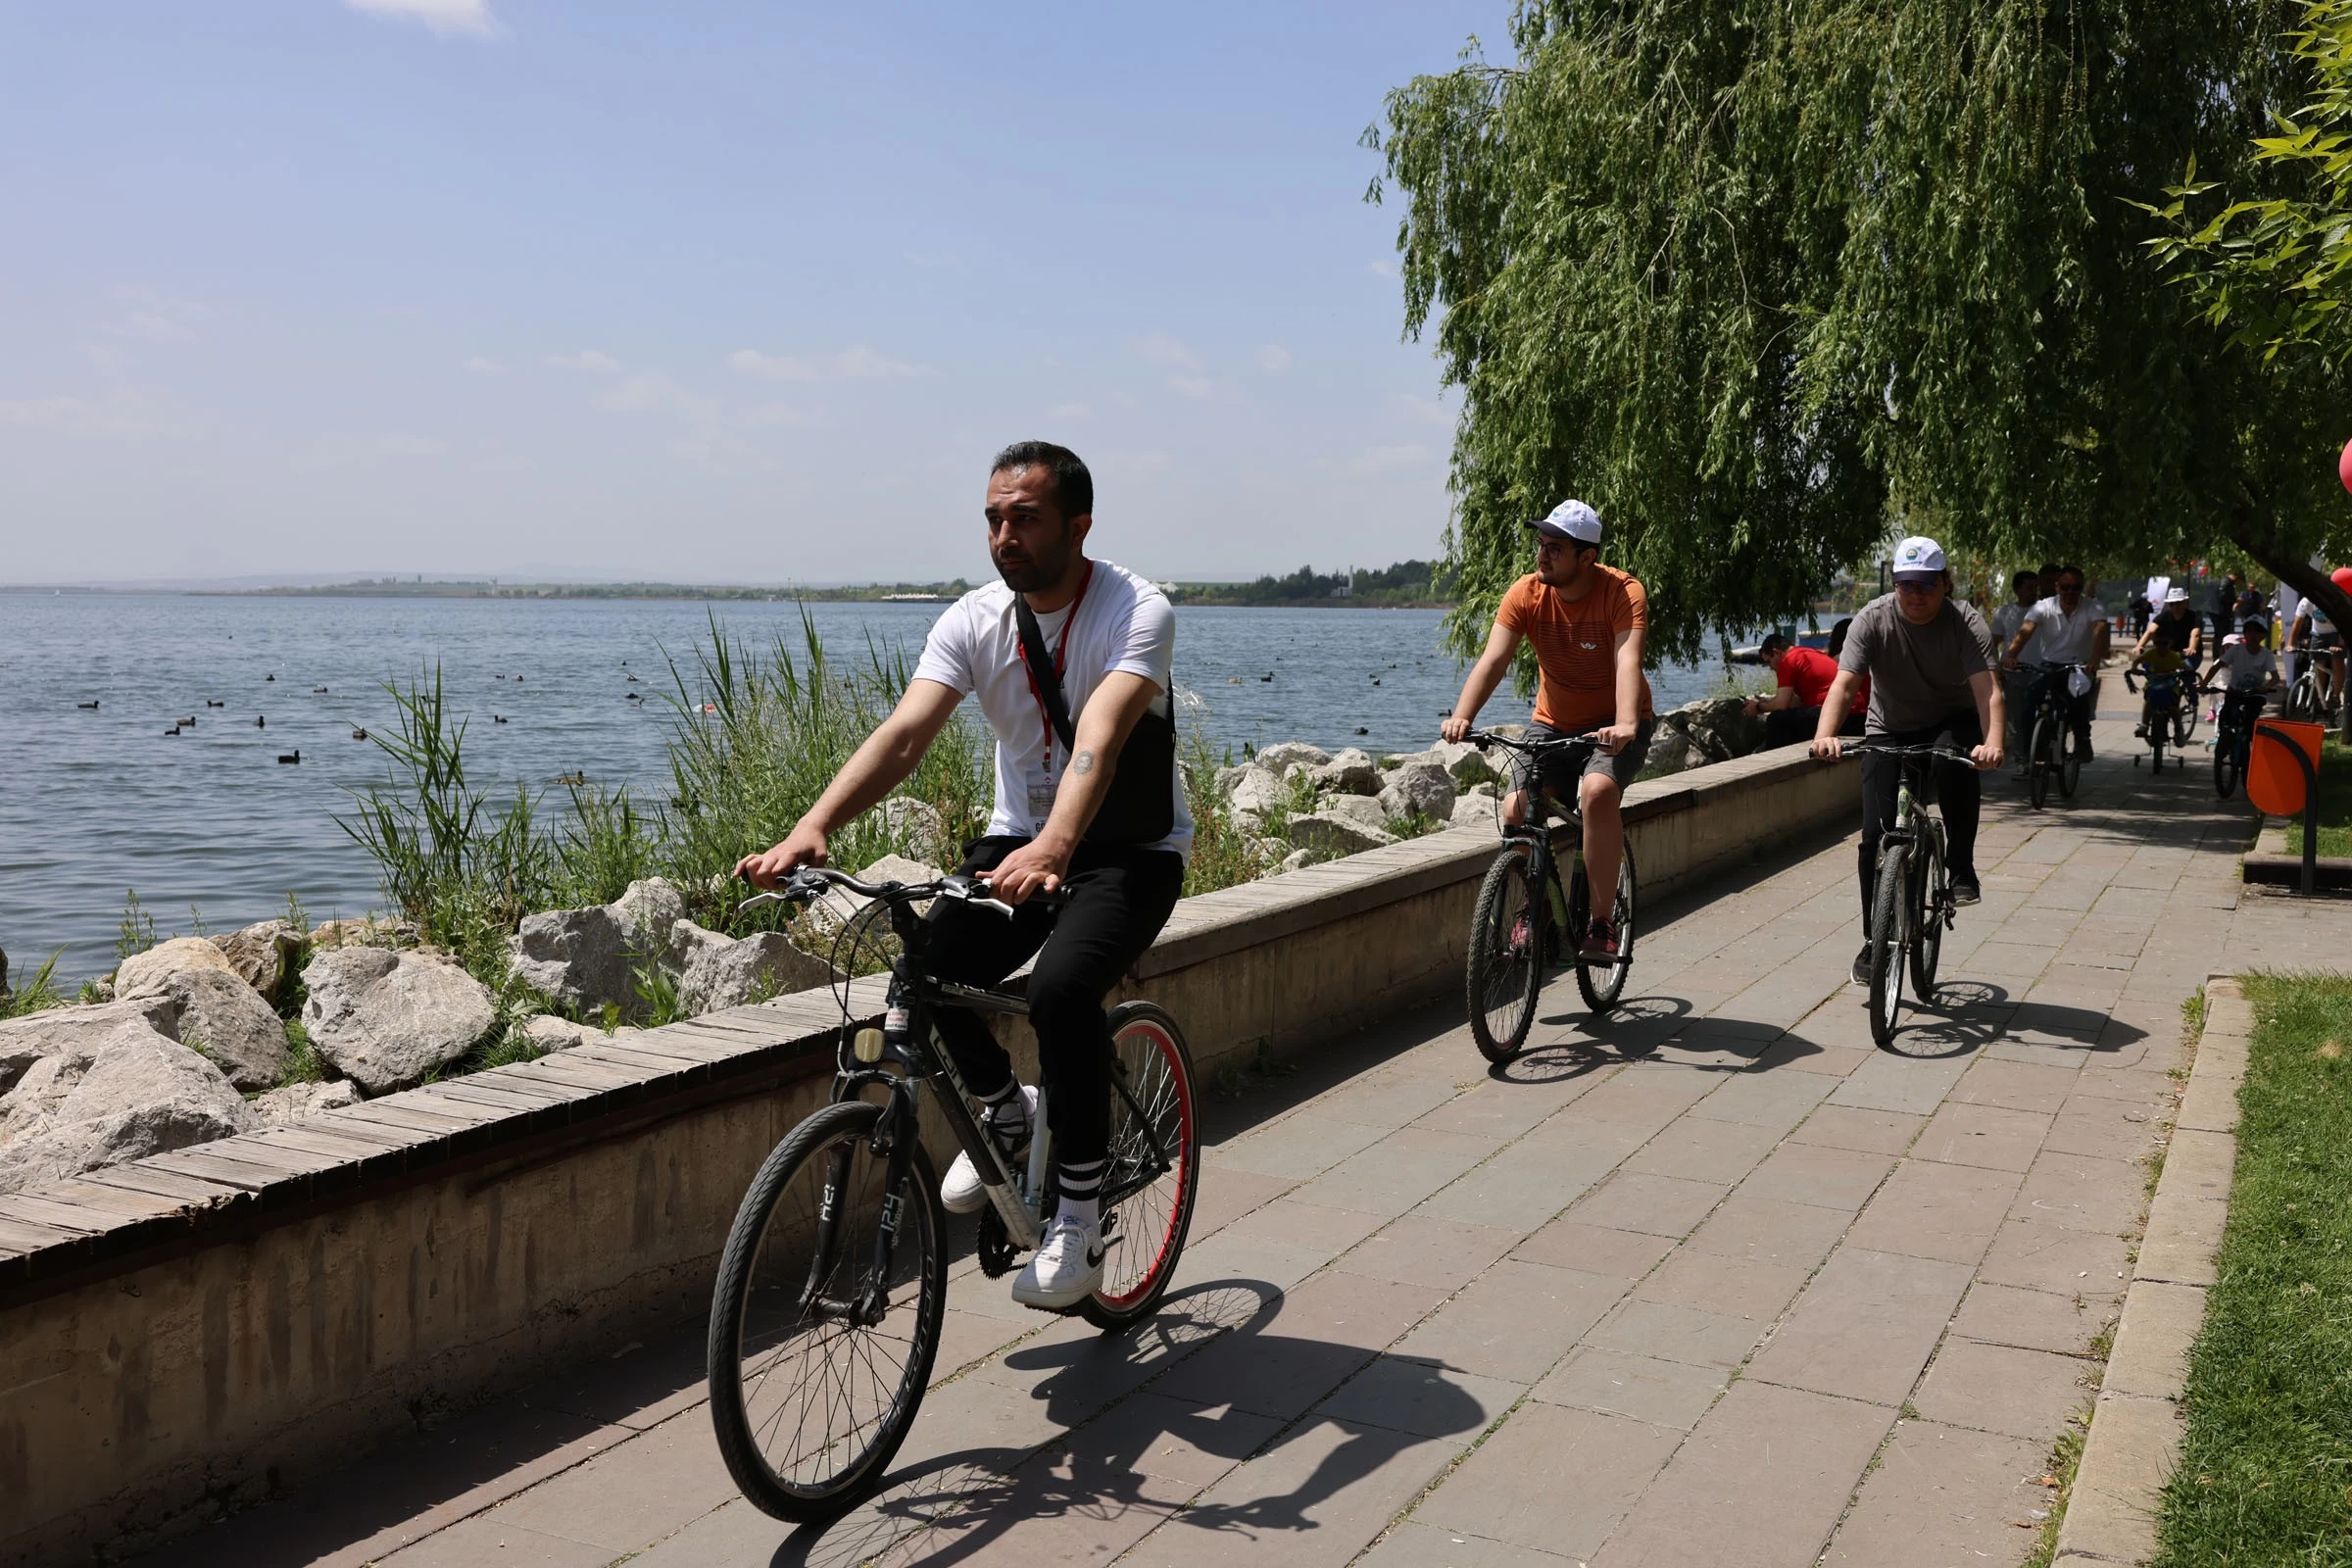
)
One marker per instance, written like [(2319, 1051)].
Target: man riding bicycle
[(1087, 802), (2063, 629), (1588, 622), (1929, 656), (2316, 638)]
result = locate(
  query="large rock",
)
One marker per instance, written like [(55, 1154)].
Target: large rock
[(647, 911), (1351, 772), (1465, 763), (838, 907), (1361, 809), (387, 1019), (1420, 788), (919, 825), (26, 1040), (365, 931), (1279, 760), (1259, 789), (145, 971), (227, 1020), (730, 974), (1477, 808), (576, 959), (302, 1102), (123, 1094), (261, 953), (1331, 835)]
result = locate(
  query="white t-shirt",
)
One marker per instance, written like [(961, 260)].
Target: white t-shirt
[(1124, 623), (2309, 610), (2062, 639), (2005, 622), (2249, 667)]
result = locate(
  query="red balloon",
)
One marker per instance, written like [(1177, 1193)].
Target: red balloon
[(2341, 576), (2343, 465)]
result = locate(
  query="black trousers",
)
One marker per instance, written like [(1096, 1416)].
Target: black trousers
[(1956, 785), (2077, 709), (1119, 898), (1793, 726)]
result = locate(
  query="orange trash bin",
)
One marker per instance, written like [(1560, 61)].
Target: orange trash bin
[(2274, 783)]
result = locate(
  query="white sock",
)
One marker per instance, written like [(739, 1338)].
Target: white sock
[(1087, 1211)]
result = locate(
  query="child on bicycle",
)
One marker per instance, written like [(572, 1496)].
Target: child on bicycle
[(1098, 811), (2251, 669), (1588, 622)]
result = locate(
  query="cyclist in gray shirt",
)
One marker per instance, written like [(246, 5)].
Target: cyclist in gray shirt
[(1929, 659)]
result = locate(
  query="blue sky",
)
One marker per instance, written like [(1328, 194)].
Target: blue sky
[(701, 290)]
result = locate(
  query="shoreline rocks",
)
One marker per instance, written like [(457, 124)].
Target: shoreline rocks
[(114, 1090), (387, 1019)]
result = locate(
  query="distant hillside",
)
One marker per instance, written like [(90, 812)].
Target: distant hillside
[(1407, 582)]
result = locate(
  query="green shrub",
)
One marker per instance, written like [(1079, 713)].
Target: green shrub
[(37, 995)]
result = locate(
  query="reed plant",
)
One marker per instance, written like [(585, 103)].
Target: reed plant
[(37, 995)]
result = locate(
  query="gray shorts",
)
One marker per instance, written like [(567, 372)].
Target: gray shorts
[(1560, 779)]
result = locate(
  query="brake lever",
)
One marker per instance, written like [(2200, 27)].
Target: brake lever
[(758, 899)]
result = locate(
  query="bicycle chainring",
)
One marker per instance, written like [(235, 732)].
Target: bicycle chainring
[(994, 1247)]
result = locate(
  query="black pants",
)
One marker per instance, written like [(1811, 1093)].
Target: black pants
[(1119, 898), (1793, 726), (2077, 709), (1956, 787)]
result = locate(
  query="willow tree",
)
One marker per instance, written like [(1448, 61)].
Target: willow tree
[(1764, 281)]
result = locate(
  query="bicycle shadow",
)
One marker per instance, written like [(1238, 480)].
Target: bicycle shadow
[(1130, 1458), (1972, 1014), (1630, 1031)]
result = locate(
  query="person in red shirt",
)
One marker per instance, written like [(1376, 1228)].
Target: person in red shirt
[(1588, 622), (1793, 712)]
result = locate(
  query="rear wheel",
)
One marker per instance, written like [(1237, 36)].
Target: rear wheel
[(1146, 1210), (1602, 982), (2039, 761), (817, 1367), (1927, 916), (2070, 761), (1507, 944), (1887, 942)]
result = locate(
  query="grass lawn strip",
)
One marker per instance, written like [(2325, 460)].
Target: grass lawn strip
[(2265, 1474)]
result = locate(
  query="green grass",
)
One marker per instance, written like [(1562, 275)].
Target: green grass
[(37, 995), (2335, 803), (2265, 1461)]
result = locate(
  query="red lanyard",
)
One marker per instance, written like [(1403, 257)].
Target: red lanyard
[(1062, 649)]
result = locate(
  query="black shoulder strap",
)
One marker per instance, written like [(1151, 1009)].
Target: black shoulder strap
[(1041, 670)]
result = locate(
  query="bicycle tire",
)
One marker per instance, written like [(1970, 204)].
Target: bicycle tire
[(1505, 968), (1603, 983), (1151, 1220), (1887, 944), (2303, 698), (2185, 717), (839, 1474), (2038, 763), (2070, 761), (2224, 761), (1927, 918)]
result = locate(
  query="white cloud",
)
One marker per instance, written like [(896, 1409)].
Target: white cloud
[(1069, 411), (776, 413), (1423, 410), (481, 366), (857, 363), (1373, 460), (1161, 348), (592, 361), (1383, 268), (69, 414), (659, 393), (1274, 357), (1192, 386), (441, 15)]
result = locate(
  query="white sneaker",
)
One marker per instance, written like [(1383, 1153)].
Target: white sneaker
[(961, 1190), (1066, 1269)]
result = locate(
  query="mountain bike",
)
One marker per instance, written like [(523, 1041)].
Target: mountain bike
[(1913, 907), (2053, 754), (833, 1282), (2308, 700), (1524, 918)]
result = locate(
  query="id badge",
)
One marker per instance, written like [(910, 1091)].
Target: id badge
[(1041, 801)]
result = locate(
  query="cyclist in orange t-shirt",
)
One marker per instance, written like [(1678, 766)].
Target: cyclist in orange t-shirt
[(1588, 622)]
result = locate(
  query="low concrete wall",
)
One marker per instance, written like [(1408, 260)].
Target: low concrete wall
[(189, 1333)]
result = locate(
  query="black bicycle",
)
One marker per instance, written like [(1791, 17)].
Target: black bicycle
[(2053, 754), (1913, 905), (2167, 696), (2234, 739), (1524, 919), (833, 1283)]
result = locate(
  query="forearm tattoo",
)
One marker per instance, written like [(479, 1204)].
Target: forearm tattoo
[(1083, 763)]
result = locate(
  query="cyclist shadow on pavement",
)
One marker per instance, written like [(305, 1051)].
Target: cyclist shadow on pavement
[(1632, 1030), (1129, 1458), (1965, 1016)]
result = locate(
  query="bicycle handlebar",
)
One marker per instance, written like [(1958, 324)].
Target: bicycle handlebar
[(1482, 738), (1865, 746), (810, 883)]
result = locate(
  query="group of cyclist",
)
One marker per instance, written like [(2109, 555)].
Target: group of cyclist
[(1071, 660)]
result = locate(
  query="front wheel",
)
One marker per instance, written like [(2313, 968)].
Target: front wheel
[(1887, 938), (1507, 944), (1155, 1171), (2225, 763), (2185, 719), (1602, 980), (2070, 761), (1927, 915), (822, 1335), (2040, 761)]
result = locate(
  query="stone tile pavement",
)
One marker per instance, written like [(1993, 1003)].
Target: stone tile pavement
[(1709, 1281)]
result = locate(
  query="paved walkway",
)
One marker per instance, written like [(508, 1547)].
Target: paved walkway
[(1710, 1281)]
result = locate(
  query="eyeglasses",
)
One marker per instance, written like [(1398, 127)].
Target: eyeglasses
[(2070, 587), (1918, 590)]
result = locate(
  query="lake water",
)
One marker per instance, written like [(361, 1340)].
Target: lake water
[(98, 802)]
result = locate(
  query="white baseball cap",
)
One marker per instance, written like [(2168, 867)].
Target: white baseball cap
[(1918, 557), (1570, 520)]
